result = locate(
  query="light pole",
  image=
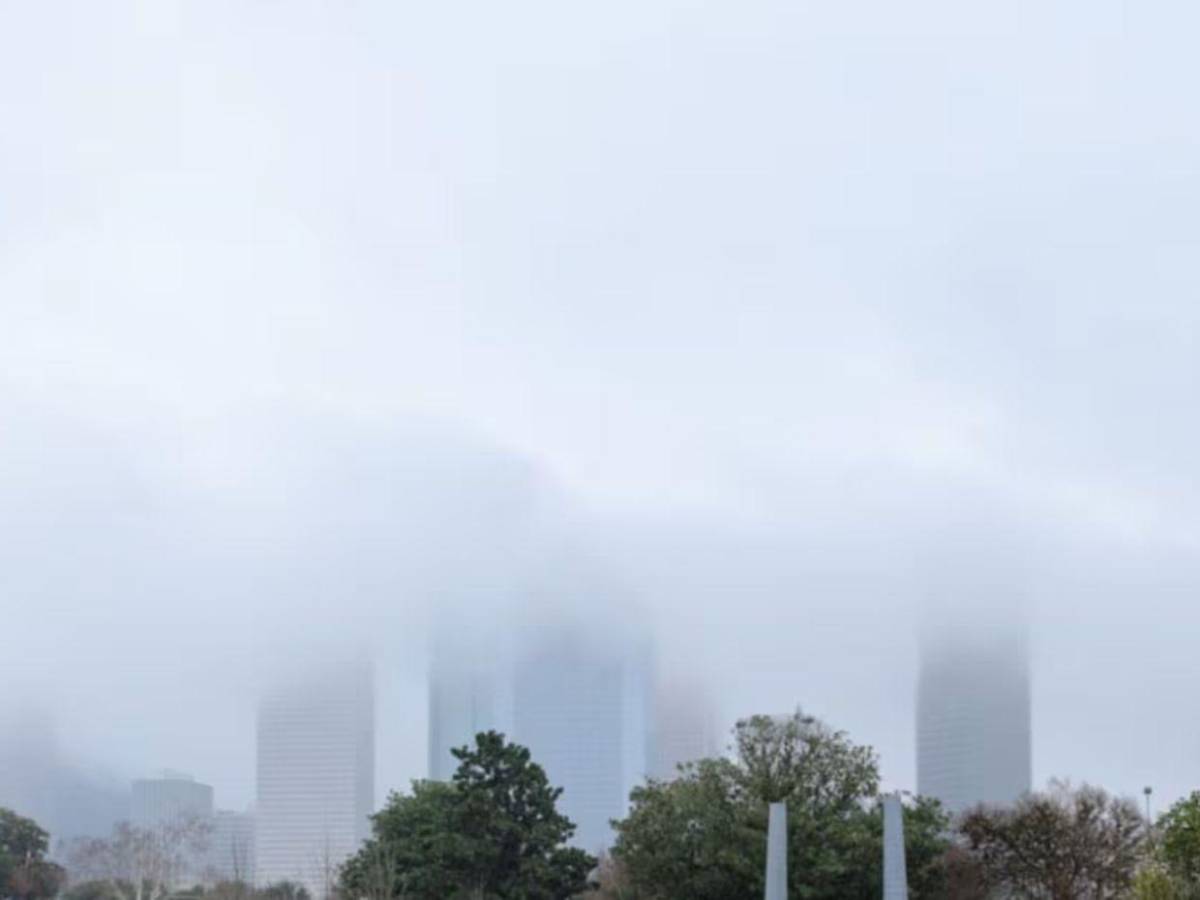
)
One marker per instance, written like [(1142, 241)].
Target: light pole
[(1147, 790)]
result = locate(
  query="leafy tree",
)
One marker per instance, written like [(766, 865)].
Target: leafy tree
[(25, 873), (282, 890), (703, 834), (1064, 844), (612, 881), (493, 832), (1154, 882), (699, 836), (1179, 842), (513, 832), (91, 889), (926, 847), (414, 850), (231, 889)]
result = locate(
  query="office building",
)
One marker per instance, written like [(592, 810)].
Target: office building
[(582, 704), (974, 733), (231, 847), (470, 690), (170, 799), (684, 726), (316, 777)]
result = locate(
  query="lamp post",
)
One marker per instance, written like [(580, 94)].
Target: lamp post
[(1147, 790)]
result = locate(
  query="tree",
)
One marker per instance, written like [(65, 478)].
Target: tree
[(25, 873), (699, 835), (141, 863), (229, 889), (1179, 842), (703, 834), (861, 845), (282, 890), (415, 834), (515, 836), (612, 881), (89, 890), (493, 832), (1065, 844), (1154, 882)]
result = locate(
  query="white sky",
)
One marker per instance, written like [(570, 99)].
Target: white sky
[(303, 306)]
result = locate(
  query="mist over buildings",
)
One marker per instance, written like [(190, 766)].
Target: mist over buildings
[(785, 335)]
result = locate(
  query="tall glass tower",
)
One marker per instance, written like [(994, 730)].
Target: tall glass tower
[(316, 776), (974, 733), (582, 704), (470, 690)]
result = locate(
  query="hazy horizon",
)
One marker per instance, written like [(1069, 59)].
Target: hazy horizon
[(780, 324)]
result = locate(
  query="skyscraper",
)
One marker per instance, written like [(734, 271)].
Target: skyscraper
[(316, 777), (582, 705), (684, 726), (470, 690), (974, 735)]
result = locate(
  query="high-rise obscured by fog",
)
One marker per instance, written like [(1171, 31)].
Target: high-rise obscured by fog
[(70, 799), (974, 726), (470, 690), (316, 775), (684, 724), (582, 704)]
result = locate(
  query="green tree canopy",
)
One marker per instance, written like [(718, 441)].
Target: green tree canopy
[(282, 890), (493, 833), (25, 873), (1179, 842), (703, 835)]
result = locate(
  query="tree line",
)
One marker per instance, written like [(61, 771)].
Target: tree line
[(495, 833)]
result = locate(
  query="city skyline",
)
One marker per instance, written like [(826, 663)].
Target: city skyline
[(314, 315)]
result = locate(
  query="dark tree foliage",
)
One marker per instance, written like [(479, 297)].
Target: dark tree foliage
[(493, 833), (281, 890), (1065, 844), (1179, 842), (89, 889), (703, 835), (698, 836), (25, 873)]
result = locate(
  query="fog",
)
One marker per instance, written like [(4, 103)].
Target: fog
[(774, 326)]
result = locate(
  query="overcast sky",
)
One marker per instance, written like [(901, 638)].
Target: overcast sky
[(778, 313)]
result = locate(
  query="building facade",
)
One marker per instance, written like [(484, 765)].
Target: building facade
[(974, 722), (231, 847), (169, 799), (583, 706), (316, 777), (684, 726), (470, 690)]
